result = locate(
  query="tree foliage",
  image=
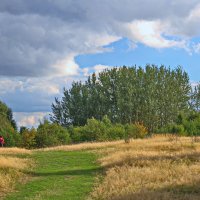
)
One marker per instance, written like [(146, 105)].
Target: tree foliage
[(195, 98), (7, 113), (104, 130), (152, 96), (8, 126)]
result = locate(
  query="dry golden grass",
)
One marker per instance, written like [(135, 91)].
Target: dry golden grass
[(14, 150), (11, 168), (84, 146), (14, 163), (159, 168)]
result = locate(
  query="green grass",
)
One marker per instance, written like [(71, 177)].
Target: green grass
[(59, 175)]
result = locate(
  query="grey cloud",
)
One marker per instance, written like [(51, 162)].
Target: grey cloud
[(31, 44), (71, 10), (85, 9), (34, 35)]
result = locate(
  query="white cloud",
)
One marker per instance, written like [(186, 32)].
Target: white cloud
[(194, 84), (196, 47), (87, 71), (99, 68), (68, 66), (45, 86), (30, 119), (151, 34), (29, 85), (7, 85)]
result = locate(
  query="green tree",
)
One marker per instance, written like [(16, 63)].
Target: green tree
[(153, 96), (8, 126), (7, 112), (195, 98)]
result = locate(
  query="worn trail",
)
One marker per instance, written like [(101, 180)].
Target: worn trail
[(59, 175)]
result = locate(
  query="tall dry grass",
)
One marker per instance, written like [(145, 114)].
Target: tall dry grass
[(14, 150), (159, 168), (84, 146), (12, 168)]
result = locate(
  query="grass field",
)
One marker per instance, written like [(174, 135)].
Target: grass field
[(158, 168), (55, 175)]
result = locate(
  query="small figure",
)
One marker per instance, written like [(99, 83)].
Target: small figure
[(1, 141)]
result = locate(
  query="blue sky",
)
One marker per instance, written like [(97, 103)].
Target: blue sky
[(122, 53), (45, 45)]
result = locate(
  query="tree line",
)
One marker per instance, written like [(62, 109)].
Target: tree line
[(152, 96), (120, 103)]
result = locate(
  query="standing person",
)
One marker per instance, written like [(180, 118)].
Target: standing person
[(1, 141)]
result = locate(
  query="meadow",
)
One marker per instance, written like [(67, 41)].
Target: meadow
[(157, 168)]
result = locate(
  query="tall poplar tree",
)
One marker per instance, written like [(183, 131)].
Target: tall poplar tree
[(152, 95)]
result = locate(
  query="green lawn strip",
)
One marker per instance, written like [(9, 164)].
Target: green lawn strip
[(59, 175)]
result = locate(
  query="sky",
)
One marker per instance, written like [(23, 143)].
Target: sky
[(45, 45)]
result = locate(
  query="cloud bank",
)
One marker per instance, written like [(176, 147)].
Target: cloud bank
[(41, 38), (39, 41)]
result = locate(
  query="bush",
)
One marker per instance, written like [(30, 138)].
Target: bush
[(116, 132), (94, 130), (191, 128), (130, 132), (177, 129), (28, 138), (136, 130), (141, 130), (77, 134), (51, 135), (104, 130)]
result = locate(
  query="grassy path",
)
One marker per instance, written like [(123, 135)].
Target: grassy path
[(59, 175)]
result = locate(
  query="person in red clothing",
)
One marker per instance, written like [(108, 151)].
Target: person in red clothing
[(1, 141)]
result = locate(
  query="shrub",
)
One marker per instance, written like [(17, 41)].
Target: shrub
[(28, 138), (136, 130), (177, 129), (141, 130), (95, 130), (191, 124), (130, 132), (51, 135), (77, 134), (116, 132), (106, 121), (191, 128)]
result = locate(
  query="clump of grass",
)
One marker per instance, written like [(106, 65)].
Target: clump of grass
[(11, 168), (151, 169), (8, 178), (13, 162)]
